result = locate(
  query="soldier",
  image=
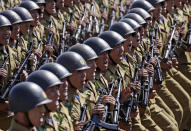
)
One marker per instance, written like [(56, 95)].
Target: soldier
[(51, 25), (65, 122), (77, 82), (50, 84), (5, 72), (34, 35), (127, 32), (27, 101), (91, 89), (41, 4), (174, 77)]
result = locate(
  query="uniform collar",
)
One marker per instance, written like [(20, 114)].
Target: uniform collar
[(18, 127)]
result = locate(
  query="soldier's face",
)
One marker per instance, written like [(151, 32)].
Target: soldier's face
[(54, 95), (25, 28), (15, 32), (5, 33), (41, 10), (128, 43), (50, 7), (90, 73), (64, 90), (157, 12), (78, 79), (60, 4), (36, 116), (68, 3), (35, 16), (117, 54), (178, 3), (103, 61), (136, 40)]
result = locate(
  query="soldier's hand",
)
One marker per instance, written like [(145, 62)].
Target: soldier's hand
[(4, 106), (189, 49), (31, 59), (82, 23), (70, 27), (50, 49), (23, 75), (122, 10), (125, 126), (158, 43), (143, 73), (98, 109), (152, 94), (3, 73), (133, 114), (104, 15), (135, 86), (125, 94), (78, 126), (166, 65), (109, 99), (157, 87), (153, 61), (175, 62), (150, 69), (38, 53)]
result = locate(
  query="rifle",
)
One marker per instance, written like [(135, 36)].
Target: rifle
[(49, 42), (141, 80), (158, 67), (6, 57), (189, 35), (70, 32), (149, 80), (113, 13), (89, 28), (62, 43), (121, 8), (96, 23), (103, 21), (169, 45), (178, 43), (132, 100), (95, 122), (83, 112), (107, 105), (35, 56), (116, 110), (79, 30), (14, 79)]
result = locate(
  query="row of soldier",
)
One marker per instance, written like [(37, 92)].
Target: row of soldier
[(133, 77)]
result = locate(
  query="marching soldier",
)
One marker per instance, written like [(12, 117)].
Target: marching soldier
[(7, 71), (77, 82), (50, 84), (65, 122), (27, 101)]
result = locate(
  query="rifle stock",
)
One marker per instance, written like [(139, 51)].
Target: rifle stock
[(14, 79)]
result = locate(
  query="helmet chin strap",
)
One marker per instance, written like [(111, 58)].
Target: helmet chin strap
[(112, 60), (70, 83), (28, 119)]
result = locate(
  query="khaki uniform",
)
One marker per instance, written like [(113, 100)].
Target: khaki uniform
[(74, 105), (161, 117), (18, 127), (11, 3), (50, 123), (46, 22), (64, 119), (2, 6)]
